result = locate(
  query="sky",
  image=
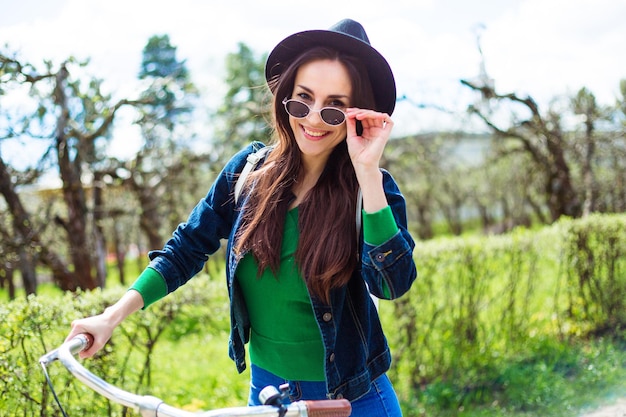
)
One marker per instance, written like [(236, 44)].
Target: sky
[(542, 48)]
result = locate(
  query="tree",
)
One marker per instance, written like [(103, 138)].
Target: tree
[(615, 193), (543, 138), (427, 185), (159, 170), (74, 119), (243, 117), (584, 104)]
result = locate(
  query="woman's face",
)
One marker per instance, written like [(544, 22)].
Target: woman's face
[(322, 83)]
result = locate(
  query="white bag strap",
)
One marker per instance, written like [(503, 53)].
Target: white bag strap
[(359, 208), (251, 163)]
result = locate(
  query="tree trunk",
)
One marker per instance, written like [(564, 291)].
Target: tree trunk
[(619, 193), (23, 227), (73, 193), (98, 233), (27, 268), (149, 219), (562, 198), (425, 226), (120, 254), (589, 181), (150, 224), (6, 279), (486, 219)]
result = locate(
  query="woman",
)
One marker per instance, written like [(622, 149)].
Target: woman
[(299, 272)]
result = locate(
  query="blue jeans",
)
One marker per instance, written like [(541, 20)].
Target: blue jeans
[(380, 401)]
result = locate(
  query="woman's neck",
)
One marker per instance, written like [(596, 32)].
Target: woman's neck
[(311, 171)]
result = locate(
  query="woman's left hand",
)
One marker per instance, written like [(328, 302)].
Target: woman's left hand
[(367, 149)]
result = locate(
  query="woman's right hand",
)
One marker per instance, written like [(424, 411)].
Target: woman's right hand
[(101, 327)]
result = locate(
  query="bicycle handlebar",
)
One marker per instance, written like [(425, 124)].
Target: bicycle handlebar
[(149, 406)]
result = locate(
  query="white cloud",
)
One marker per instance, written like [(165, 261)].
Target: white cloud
[(554, 47)]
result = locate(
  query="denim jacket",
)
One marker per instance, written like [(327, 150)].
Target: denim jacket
[(355, 347)]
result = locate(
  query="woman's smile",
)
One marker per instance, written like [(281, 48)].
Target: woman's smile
[(313, 133)]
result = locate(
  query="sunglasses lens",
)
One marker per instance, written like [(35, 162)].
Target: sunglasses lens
[(296, 109), (332, 116)]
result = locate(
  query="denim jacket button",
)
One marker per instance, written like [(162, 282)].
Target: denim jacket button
[(327, 317), (339, 396), (331, 358), (380, 257)]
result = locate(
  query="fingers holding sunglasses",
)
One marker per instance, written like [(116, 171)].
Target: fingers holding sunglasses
[(371, 120), (367, 148)]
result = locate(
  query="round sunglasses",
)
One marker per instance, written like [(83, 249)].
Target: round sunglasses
[(330, 115)]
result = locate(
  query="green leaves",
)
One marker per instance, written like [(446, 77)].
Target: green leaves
[(500, 318), (30, 327)]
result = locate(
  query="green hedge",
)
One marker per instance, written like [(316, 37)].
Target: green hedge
[(484, 318), (481, 304), (30, 327)]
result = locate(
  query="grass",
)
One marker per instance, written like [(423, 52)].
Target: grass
[(196, 373), (550, 381)]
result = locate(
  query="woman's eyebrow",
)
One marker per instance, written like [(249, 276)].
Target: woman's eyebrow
[(333, 96)]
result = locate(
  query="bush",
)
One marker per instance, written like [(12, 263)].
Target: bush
[(33, 326), (595, 264), (475, 326)]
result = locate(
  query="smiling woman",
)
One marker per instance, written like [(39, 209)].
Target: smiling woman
[(300, 283)]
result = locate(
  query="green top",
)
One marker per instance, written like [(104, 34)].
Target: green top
[(285, 338)]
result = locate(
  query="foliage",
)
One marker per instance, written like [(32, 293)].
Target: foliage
[(244, 115), (169, 96), (595, 256), (162, 173), (504, 319), (492, 327), (31, 326)]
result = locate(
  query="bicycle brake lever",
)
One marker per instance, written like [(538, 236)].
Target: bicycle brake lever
[(49, 357)]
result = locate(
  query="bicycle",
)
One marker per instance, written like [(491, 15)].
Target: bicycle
[(149, 406)]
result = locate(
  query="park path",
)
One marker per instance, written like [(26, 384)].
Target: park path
[(617, 409)]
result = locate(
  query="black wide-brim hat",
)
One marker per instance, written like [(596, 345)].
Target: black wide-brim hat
[(346, 36)]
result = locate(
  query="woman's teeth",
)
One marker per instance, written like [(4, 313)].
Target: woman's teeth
[(315, 134)]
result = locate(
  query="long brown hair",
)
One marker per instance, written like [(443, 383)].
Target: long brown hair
[(327, 248)]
